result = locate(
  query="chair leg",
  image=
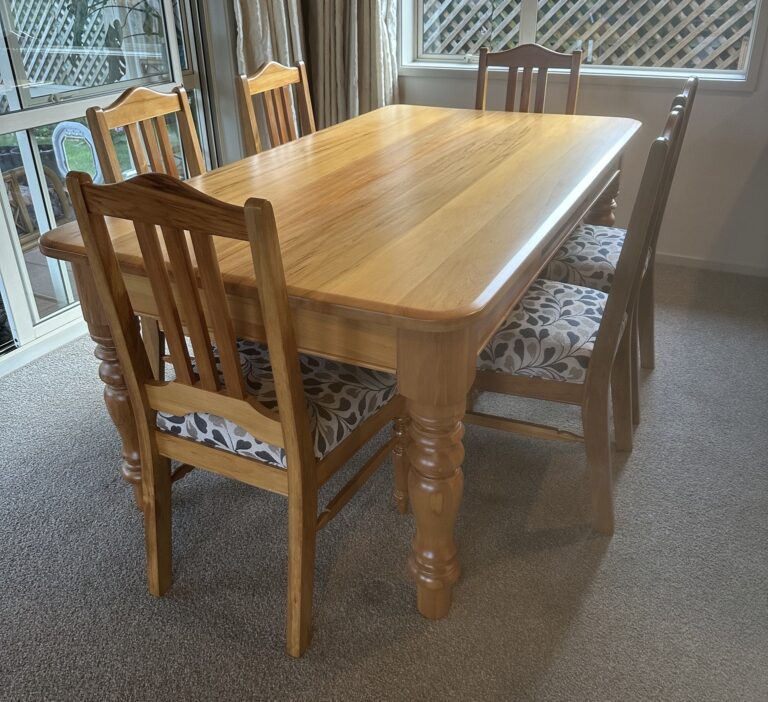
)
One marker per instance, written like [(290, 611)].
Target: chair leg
[(598, 446), (646, 321), (621, 391), (634, 355), (156, 485), (400, 462), (302, 533)]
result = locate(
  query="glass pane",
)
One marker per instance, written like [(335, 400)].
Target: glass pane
[(674, 34), (59, 48), (28, 213), (7, 342), (179, 17), (455, 28), (462, 27)]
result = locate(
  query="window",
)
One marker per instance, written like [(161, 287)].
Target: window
[(707, 36), (58, 57), (65, 49)]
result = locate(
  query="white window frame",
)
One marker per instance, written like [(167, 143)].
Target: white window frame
[(411, 65), (29, 330)]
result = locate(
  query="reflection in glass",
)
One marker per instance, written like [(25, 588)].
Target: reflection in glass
[(61, 47), (181, 35), (7, 342), (28, 205)]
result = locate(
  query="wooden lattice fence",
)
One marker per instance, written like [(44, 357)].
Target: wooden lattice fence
[(45, 29), (59, 50), (700, 34)]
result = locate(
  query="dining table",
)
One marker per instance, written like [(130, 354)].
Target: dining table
[(408, 234)]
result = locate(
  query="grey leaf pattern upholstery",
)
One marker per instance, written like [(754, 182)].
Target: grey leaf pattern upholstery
[(588, 257), (550, 334), (339, 398)]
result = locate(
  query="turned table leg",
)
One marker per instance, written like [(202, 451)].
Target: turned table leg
[(603, 212), (115, 392), (435, 372)]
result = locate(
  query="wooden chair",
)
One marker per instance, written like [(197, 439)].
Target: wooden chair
[(645, 310), (141, 113), (269, 407), (590, 255), (528, 58), (571, 344), (272, 81)]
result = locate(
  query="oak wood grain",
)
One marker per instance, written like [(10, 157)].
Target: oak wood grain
[(377, 214)]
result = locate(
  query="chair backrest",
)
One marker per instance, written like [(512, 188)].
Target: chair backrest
[(273, 83), (528, 58), (683, 101), (190, 298), (141, 113), (629, 269)]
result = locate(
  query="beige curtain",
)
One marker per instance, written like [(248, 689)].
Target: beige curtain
[(269, 30), (353, 59)]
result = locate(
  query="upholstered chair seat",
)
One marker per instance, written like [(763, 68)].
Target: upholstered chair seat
[(339, 396), (550, 334), (588, 257)]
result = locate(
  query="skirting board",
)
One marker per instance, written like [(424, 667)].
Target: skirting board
[(39, 347), (692, 262)]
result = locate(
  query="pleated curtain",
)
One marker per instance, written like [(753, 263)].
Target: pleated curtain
[(350, 46), (269, 30)]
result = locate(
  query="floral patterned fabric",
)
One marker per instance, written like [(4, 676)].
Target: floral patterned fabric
[(588, 257), (550, 334), (339, 398)]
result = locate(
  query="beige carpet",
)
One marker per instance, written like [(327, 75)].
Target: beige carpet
[(674, 607)]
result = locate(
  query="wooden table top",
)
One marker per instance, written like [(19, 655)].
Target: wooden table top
[(416, 212)]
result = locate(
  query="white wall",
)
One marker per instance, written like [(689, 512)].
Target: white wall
[(718, 210)]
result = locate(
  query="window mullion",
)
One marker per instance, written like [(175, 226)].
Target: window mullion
[(528, 12)]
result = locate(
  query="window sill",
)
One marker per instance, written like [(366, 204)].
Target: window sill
[(636, 78)]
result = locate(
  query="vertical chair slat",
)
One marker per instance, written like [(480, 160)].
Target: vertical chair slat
[(166, 150), (290, 123), (219, 314), (272, 125), (161, 287), (136, 145), (525, 90), (282, 128), (481, 93), (150, 144), (191, 306), (541, 90), (511, 90)]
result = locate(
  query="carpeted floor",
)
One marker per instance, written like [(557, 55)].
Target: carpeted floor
[(674, 607)]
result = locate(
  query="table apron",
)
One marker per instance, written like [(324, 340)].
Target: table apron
[(364, 342), (371, 341)]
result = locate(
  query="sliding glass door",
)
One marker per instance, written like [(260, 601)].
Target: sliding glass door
[(57, 58)]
